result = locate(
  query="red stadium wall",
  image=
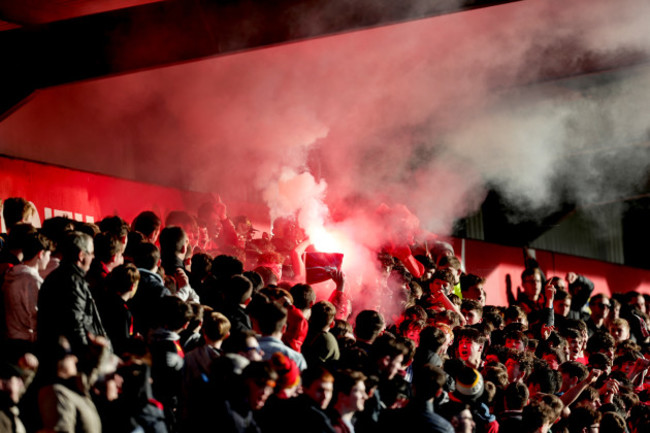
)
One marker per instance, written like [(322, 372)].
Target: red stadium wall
[(494, 262), (86, 196), (90, 197)]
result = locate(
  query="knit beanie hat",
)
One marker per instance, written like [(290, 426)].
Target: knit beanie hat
[(469, 384)]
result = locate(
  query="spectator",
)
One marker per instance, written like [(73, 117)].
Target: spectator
[(65, 305), (298, 315), (150, 289), (116, 316), (167, 356), (174, 246), (321, 347), (349, 398), (306, 411), (515, 398), (108, 255), (20, 289), (64, 402), (149, 224), (459, 415), (272, 320)]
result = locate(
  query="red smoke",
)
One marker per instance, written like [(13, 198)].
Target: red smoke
[(412, 115)]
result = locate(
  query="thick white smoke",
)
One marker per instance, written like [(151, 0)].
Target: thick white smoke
[(297, 195)]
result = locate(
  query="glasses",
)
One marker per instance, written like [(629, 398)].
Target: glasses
[(603, 305)]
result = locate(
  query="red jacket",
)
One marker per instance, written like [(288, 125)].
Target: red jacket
[(297, 327)]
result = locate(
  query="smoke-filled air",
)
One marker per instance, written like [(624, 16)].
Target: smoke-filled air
[(374, 136)]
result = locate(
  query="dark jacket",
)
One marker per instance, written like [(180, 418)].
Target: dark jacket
[(510, 422), (171, 263), (117, 320), (135, 408), (421, 418), (337, 422), (96, 277), (304, 414), (167, 361), (239, 320), (66, 307), (143, 304)]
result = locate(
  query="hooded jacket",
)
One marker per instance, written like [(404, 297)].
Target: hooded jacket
[(20, 291)]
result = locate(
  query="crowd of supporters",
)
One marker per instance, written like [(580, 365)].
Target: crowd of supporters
[(199, 324)]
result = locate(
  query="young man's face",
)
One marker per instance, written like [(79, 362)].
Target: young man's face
[(392, 366), (532, 285), (259, 392), (321, 392), (356, 399), (515, 344), (477, 293), (469, 349), (414, 334), (464, 423), (253, 351), (471, 316), (562, 307), (619, 332), (627, 367), (600, 308), (514, 371), (575, 348), (441, 285), (44, 260), (638, 302)]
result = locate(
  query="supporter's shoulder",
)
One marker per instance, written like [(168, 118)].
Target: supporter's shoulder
[(55, 391), (17, 274), (56, 278), (196, 353), (163, 336), (327, 336), (290, 351), (150, 274), (65, 271)]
